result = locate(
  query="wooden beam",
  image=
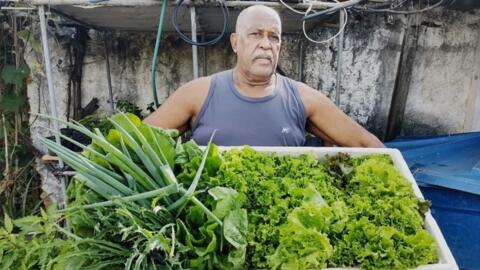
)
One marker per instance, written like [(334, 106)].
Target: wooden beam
[(402, 82)]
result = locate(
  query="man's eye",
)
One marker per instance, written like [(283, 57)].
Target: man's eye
[(274, 38), (255, 34)]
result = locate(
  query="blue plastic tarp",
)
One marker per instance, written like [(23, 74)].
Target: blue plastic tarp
[(447, 169), (451, 161)]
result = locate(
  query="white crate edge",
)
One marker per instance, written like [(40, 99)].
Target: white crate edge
[(446, 259)]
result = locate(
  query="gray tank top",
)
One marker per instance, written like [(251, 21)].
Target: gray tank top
[(275, 120)]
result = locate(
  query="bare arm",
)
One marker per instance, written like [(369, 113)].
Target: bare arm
[(181, 107), (327, 141), (328, 122)]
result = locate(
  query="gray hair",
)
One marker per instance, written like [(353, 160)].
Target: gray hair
[(243, 14)]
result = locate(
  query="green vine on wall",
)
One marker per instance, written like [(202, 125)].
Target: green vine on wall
[(19, 182)]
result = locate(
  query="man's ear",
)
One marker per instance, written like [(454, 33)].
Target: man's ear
[(233, 41)]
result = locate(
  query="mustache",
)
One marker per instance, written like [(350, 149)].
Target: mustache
[(257, 55)]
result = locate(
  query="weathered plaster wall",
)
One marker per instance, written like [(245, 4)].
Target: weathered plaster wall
[(371, 55), (444, 86)]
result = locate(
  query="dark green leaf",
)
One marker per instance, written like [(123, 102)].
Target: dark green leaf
[(12, 103), (10, 74)]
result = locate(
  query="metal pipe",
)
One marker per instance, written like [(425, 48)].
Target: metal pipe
[(109, 77), (194, 39), (17, 8), (130, 3), (315, 4), (300, 61), (48, 71), (205, 65), (51, 93), (339, 58)]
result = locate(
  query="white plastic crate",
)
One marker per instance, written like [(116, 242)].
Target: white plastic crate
[(446, 259)]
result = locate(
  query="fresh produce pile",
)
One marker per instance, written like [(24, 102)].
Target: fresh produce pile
[(142, 199)]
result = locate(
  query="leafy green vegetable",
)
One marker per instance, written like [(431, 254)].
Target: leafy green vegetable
[(303, 242), (126, 196), (242, 209), (342, 212)]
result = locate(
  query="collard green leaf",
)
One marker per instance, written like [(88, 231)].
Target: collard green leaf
[(227, 200), (235, 228)]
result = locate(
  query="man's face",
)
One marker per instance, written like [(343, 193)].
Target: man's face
[(257, 43)]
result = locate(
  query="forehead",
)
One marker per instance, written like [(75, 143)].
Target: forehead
[(263, 25), (260, 20)]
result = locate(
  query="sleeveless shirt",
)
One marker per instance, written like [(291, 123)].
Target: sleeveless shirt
[(275, 120)]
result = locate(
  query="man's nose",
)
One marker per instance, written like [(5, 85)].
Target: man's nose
[(265, 42)]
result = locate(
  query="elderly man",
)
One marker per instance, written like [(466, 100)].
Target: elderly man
[(253, 105)]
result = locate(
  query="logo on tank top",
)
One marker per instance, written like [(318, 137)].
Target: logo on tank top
[(285, 130)]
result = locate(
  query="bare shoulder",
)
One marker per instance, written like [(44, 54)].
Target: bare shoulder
[(194, 92), (181, 106), (312, 98)]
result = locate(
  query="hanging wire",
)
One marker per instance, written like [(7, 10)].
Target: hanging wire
[(310, 10), (292, 9), (342, 28), (331, 10), (391, 10), (206, 43)]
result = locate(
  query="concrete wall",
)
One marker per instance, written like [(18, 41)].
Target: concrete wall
[(370, 59), (444, 92), (444, 86)]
